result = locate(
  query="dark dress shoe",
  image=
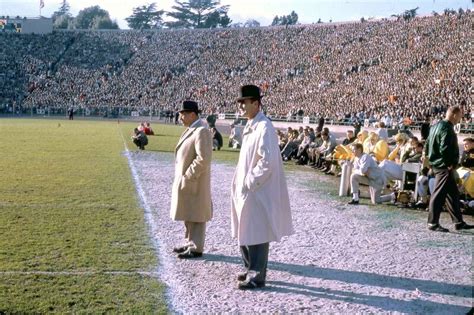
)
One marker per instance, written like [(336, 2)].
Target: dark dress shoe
[(463, 226), (241, 276), (437, 228), (250, 284), (353, 202), (179, 250), (189, 254)]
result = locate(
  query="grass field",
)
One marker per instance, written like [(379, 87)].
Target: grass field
[(73, 237)]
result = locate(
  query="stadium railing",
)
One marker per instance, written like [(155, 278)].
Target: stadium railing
[(158, 114)]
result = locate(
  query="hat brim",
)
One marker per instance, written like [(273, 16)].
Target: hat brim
[(190, 110), (241, 99)]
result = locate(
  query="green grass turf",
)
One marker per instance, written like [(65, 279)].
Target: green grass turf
[(68, 204), (166, 137)]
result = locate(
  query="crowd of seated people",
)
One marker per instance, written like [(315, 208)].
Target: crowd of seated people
[(375, 161), (395, 72)]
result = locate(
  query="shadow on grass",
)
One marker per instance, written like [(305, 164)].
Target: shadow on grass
[(361, 278)]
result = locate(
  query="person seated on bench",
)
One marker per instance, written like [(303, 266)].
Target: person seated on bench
[(410, 152), (466, 169), (291, 147), (343, 151), (323, 151), (401, 146), (366, 170), (376, 147)]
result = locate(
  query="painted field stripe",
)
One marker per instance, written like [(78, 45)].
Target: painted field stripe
[(153, 227)]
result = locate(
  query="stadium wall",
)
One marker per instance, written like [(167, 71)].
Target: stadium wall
[(25, 25)]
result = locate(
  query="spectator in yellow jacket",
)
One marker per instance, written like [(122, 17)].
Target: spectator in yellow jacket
[(376, 147)]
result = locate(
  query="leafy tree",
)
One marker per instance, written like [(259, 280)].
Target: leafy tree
[(63, 22), (276, 20), (407, 15), (63, 10), (252, 23), (145, 17), (410, 14), (293, 17), (224, 20), (94, 18), (199, 14), (290, 19), (104, 23), (62, 17)]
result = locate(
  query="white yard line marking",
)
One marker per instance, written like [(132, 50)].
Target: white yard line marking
[(151, 222)]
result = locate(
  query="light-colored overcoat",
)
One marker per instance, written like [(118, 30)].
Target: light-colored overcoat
[(260, 206), (191, 192)]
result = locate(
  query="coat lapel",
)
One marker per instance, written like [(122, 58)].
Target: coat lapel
[(186, 134), (250, 126)]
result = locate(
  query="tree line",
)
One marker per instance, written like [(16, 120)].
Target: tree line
[(183, 14), (191, 14)]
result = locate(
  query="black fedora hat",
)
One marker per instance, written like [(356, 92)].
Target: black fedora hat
[(249, 92), (190, 106)]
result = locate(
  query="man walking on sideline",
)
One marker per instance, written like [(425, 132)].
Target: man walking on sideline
[(442, 152), (260, 207), (191, 192)]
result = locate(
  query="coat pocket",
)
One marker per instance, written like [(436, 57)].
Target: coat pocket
[(188, 186)]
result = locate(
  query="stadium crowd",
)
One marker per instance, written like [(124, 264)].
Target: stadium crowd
[(379, 70)]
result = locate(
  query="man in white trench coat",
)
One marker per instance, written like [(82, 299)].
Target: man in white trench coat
[(260, 206), (191, 192)]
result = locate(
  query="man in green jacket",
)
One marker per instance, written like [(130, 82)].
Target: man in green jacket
[(442, 152)]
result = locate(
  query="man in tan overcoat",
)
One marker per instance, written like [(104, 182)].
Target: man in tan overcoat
[(260, 207), (191, 192)]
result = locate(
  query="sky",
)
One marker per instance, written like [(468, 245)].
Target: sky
[(309, 11)]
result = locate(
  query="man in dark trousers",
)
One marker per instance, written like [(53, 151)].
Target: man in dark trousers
[(217, 141), (260, 204), (70, 113), (191, 192), (139, 138), (442, 152)]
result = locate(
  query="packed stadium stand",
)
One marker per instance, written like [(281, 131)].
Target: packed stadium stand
[(404, 69)]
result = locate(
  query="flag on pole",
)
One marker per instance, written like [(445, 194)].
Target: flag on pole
[(41, 4)]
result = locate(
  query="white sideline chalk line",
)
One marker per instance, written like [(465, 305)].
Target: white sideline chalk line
[(163, 260)]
